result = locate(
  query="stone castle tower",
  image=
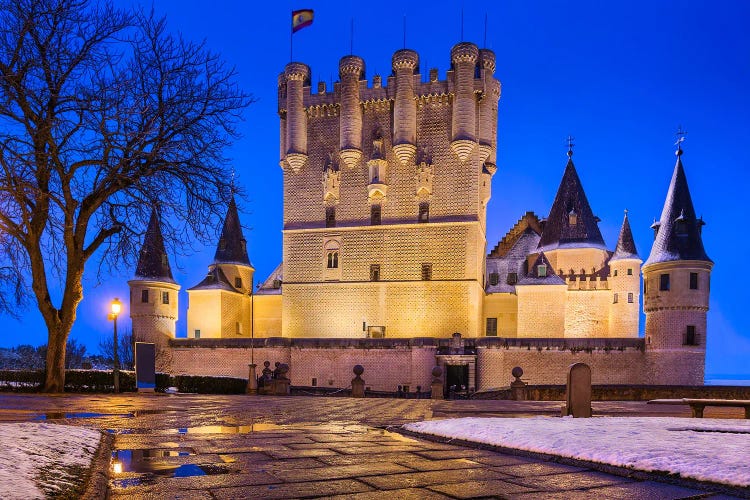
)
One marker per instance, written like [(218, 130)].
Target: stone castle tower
[(153, 293), (220, 305), (676, 279), (385, 195)]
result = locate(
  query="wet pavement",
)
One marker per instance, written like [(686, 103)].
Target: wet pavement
[(200, 446)]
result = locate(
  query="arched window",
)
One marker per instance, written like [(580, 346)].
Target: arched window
[(333, 260)]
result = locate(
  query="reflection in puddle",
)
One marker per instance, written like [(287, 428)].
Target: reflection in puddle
[(150, 464), (228, 429), (59, 415)]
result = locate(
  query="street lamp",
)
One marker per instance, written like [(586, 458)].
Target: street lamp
[(115, 308)]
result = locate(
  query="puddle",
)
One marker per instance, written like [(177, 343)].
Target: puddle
[(63, 415), (150, 464), (228, 429)]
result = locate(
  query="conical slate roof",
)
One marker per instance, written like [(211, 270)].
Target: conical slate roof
[(571, 201), (625, 243), (215, 280), (678, 234), (232, 248), (153, 263)]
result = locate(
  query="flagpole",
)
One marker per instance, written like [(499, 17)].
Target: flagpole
[(291, 39)]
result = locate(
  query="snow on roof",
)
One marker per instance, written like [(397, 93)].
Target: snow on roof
[(269, 285), (706, 450)]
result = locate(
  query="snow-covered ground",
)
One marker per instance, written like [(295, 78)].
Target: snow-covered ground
[(703, 449), (38, 459)]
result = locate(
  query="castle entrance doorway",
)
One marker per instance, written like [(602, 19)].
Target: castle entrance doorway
[(457, 379)]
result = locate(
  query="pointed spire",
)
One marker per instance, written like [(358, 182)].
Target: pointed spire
[(232, 248), (571, 221), (678, 232), (153, 263), (625, 244)]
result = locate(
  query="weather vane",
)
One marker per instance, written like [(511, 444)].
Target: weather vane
[(680, 138), (570, 145)]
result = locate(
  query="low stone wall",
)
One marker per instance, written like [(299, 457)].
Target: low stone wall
[(626, 392), (390, 363)]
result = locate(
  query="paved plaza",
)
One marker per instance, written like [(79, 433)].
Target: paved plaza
[(201, 446)]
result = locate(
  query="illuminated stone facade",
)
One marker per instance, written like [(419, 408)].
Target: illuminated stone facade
[(384, 236)]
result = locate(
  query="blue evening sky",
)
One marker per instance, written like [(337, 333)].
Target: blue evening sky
[(618, 76)]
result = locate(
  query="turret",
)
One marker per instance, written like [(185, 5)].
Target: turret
[(296, 76), (488, 110), (464, 58), (153, 293), (220, 305), (405, 62), (351, 68), (625, 284), (676, 286), (571, 235)]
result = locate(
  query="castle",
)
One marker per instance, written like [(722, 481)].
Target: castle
[(385, 255)]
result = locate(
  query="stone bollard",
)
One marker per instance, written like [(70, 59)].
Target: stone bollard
[(518, 386), (252, 380), (437, 383), (281, 382), (358, 385), (578, 391)]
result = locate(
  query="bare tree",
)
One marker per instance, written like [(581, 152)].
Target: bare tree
[(125, 349), (102, 113)]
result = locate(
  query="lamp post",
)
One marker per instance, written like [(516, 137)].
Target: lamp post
[(252, 378), (115, 308)]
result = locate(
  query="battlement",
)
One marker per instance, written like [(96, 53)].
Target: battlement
[(380, 88)]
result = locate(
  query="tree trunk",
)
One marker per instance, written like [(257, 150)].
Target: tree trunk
[(55, 379)]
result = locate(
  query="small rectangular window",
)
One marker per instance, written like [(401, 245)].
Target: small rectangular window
[(630, 297), (615, 274), (426, 272), (197, 334), (614, 300), (424, 212), (238, 282), (693, 281), (238, 328), (165, 297), (630, 272), (491, 327), (330, 216), (314, 382), (375, 215), (144, 296), (690, 337), (512, 278), (541, 271), (374, 272), (494, 278), (664, 282)]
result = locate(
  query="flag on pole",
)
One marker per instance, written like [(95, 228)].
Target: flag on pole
[(301, 19)]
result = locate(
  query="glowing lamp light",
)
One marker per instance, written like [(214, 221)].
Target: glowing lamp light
[(117, 467), (116, 307)]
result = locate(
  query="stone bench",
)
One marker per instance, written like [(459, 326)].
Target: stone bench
[(697, 405)]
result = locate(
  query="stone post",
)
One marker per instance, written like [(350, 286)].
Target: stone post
[(358, 385), (518, 386), (578, 391), (437, 383), (252, 380)]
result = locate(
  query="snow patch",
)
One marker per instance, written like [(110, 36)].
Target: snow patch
[(36, 458), (716, 450)]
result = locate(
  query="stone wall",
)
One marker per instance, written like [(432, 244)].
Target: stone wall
[(392, 362)]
